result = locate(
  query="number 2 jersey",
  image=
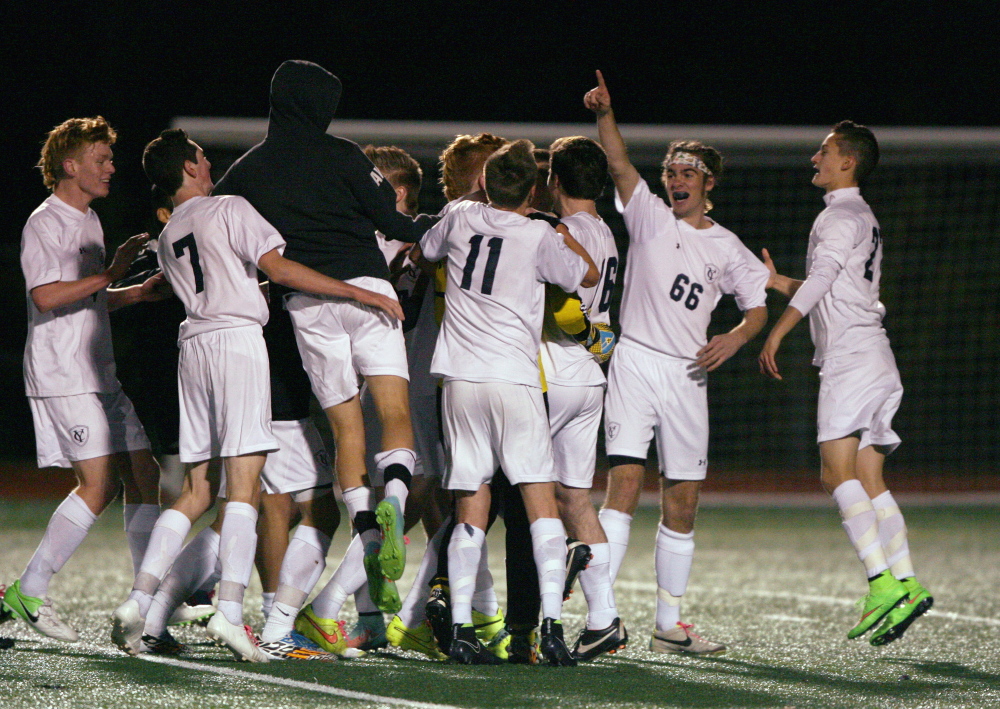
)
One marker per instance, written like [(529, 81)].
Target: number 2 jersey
[(676, 274), (843, 267), (498, 262), (209, 252)]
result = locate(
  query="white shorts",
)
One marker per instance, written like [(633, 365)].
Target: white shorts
[(339, 339), (84, 426), (574, 419), (489, 425), (301, 463), (225, 395), (649, 392), (860, 393)]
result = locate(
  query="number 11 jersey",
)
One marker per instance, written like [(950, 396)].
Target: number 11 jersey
[(497, 264)]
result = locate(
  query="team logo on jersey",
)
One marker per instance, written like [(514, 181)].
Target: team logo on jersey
[(377, 177), (711, 272), (612, 430), (80, 434)]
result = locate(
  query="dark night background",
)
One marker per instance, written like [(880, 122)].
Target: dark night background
[(139, 63)]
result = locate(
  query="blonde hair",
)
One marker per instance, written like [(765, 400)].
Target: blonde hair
[(66, 140), (462, 162)]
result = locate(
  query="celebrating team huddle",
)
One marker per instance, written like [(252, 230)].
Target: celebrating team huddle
[(458, 359)]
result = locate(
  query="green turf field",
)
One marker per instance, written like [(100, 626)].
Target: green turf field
[(776, 585)]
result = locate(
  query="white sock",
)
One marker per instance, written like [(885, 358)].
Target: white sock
[(347, 579), (674, 554), (301, 568), (363, 602), (484, 599), (617, 526), (892, 535), (596, 584), (164, 545), (397, 488), (193, 567), (66, 530), (548, 542), (861, 525), (266, 604), (237, 545), (358, 499), (464, 552), (139, 523), (412, 613)]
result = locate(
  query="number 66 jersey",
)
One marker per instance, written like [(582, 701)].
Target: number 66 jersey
[(498, 262)]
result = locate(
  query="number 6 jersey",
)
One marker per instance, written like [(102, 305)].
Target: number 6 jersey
[(209, 252), (497, 264), (676, 274)]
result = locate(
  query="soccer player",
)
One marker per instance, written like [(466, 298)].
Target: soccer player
[(210, 251), (327, 200), (492, 407), (860, 388), (82, 418), (679, 264), (576, 384)]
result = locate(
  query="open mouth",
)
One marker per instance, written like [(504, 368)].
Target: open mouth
[(680, 196)]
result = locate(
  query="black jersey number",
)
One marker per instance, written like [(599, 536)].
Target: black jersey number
[(493, 245), (189, 243), (678, 289), (876, 240), (610, 273)]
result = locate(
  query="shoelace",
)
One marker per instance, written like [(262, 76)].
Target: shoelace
[(250, 634), (687, 629)]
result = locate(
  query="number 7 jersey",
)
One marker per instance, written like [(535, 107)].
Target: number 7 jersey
[(209, 252), (497, 264)]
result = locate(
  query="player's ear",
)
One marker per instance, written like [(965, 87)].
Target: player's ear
[(709, 182), (163, 215), (401, 194), (191, 168), (69, 166)]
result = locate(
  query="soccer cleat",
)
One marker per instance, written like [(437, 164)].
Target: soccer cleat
[(467, 650), (328, 633), (126, 627), (487, 626), (500, 644), (419, 639), (438, 611), (295, 646), (592, 643), (38, 613), (165, 644), (381, 589), (392, 555), (5, 612), (553, 646), (680, 640), (578, 556), (368, 633), (884, 594), (238, 638), (523, 648), (186, 614), (917, 602)]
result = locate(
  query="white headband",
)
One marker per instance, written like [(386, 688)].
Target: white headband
[(689, 159)]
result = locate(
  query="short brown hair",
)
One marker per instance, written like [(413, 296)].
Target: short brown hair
[(581, 166), (164, 157), (66, 140), (462, 161), (706, 153), (511, 172), (858, 142), (397, 166)]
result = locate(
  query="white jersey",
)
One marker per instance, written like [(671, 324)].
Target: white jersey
[(497, 264), (209, 252), (676, 274), (68, 350), (843, 266), (565, 361)]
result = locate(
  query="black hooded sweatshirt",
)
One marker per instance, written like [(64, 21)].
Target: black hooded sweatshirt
[(321, 193)]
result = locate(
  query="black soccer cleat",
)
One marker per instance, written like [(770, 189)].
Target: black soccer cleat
[(467, 650), (523, 647), (438, 611), (578, 557), (553, 646), (592, 643)]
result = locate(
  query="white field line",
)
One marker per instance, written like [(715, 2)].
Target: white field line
[(295, 684), (829, 600)]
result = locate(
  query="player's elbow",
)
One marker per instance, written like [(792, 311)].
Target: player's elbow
[(592, 278), (43, 300)]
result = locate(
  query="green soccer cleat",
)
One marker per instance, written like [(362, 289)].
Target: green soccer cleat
[(419, 639), (392, 555), (884, 594), (381, 589), (487, 626), (328, 633), (917, 602), (38, 613)]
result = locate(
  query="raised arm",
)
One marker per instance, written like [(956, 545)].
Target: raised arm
[(623, 173)]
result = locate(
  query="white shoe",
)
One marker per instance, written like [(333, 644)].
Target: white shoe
[(126, 627), (190, 615), (239, 639)]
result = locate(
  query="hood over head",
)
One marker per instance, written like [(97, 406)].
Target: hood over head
[(304, 98)]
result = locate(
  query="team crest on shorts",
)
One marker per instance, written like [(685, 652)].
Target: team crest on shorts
[(711, 272), (79, 434), (612, 430), (321, 458)]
